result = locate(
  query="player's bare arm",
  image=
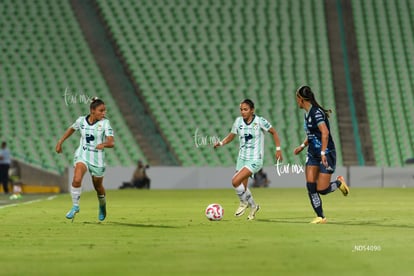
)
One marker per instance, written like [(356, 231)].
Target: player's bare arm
[(276, 140), (301, 147), (65, 136), (109, 143), (226, 140), (324, 139)]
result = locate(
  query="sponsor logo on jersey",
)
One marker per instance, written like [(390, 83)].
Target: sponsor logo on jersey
[(89, 138), (248, 137)]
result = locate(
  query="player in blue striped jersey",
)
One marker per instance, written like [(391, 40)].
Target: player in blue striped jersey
[(96, 135), (321, 156), (251, 129)]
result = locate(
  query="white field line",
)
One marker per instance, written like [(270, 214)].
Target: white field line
[(28, 202)]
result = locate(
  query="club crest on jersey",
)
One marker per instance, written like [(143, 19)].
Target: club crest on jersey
[(255, 126), (99, 127)]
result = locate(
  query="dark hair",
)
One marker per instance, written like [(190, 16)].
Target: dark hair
[(305, 93), (95, 102), (248, 102)]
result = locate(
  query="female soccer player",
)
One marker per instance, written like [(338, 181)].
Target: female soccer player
[(321, 157), (250, 128), (96, 134)]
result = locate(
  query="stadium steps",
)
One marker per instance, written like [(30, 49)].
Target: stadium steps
[(347, 80)]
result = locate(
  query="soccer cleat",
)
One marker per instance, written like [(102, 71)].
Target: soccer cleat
[(102, 212), (242, 208), (343, 187), (318, 220), (71, 214), (253, 212)]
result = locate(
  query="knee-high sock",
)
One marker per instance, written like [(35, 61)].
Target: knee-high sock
[(249, 198), (315, 199), (75, 193), (331, 188), (241, 193), (102, 200)]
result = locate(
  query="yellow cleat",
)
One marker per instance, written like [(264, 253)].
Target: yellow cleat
[(343, 187), (318, 220)]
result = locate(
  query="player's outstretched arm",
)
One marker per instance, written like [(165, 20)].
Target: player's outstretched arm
[(65, 136), (226, 140)]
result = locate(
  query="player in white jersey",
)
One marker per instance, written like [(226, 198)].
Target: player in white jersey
[(96, 135), (251, 129)]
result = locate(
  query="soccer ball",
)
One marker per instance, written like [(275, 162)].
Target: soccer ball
[(214, 212)]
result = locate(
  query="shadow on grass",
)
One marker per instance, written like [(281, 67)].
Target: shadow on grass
[(373, 223), (139, 225)]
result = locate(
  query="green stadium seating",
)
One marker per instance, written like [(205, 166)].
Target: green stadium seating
[(384, 32), (43, 54), (194, 61)]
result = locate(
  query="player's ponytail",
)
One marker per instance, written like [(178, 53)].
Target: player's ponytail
[(305, 93), (95, 102)]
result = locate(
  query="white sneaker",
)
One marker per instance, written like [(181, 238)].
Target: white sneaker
[(253, 212), (242, 208)]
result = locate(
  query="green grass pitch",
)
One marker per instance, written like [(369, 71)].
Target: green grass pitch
[(165, 232)]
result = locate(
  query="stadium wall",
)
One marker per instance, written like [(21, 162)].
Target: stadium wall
[(281, 177), (37, 180)]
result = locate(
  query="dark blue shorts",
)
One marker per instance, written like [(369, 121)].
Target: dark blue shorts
[(315, 160)]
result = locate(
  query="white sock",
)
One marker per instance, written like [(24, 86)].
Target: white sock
[(76, 193), (249, 198), (241, 193), (102, 200)]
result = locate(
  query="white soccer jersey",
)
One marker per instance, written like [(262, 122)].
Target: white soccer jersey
[(91, 136), (251, 137)]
